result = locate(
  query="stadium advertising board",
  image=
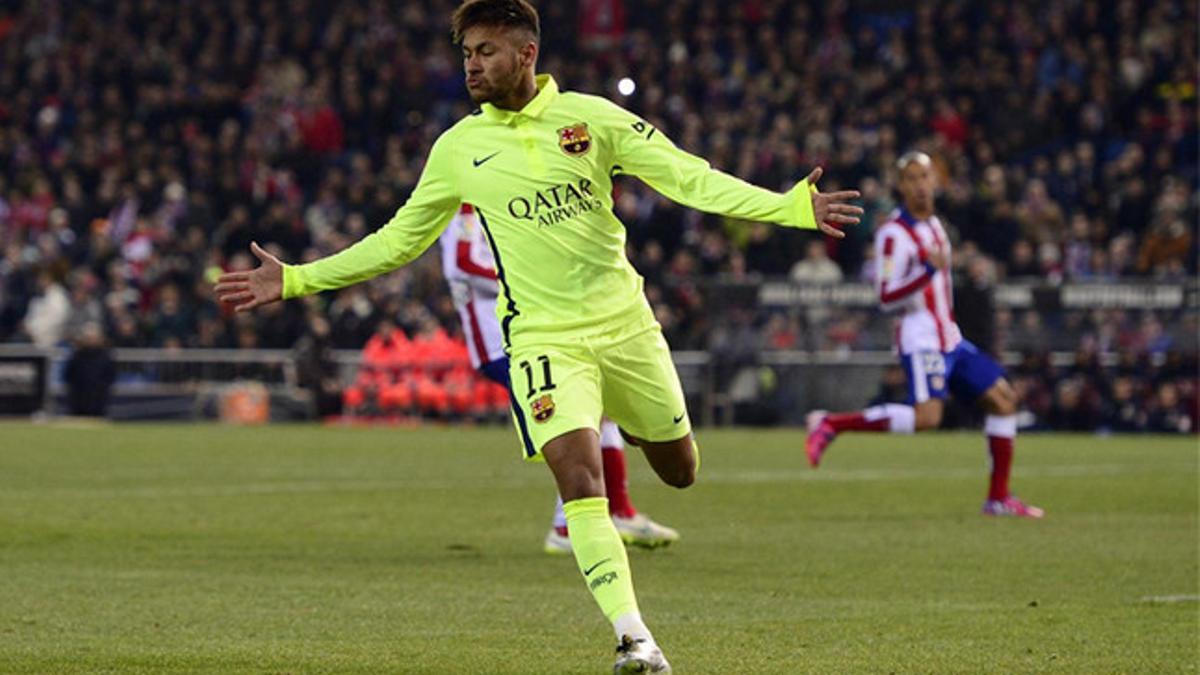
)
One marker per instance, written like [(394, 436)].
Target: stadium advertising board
[(22, 384), (1013, 296)]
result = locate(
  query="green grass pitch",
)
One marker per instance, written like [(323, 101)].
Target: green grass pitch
[(298, 549)]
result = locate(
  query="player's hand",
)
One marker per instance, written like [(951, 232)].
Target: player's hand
[(260, 286), (833, 210), (937, 257)]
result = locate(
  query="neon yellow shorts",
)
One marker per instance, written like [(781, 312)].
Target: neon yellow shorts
[(625, 372)]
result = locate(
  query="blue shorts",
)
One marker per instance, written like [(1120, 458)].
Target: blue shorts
[(497, 371), (966, 371)]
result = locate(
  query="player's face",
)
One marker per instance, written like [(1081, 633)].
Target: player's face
[(917, 187), (494, 59)]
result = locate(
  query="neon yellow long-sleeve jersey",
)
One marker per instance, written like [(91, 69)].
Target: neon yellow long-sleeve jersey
[(541, 183)]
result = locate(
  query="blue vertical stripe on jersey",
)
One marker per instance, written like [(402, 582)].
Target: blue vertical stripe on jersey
[(510, 310)]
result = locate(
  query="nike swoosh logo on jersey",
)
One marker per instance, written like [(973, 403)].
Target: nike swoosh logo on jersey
[(593, 567), (479, 162), (678, 418)]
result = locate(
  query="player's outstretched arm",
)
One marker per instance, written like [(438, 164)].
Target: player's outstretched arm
[(260, 286), (640, 150), (413, 229)]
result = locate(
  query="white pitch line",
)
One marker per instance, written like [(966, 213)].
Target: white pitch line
[(868, 475), (1169, 599), (234, 490), (534, 478)]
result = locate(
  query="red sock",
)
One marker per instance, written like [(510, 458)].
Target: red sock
[(1002, 454), (856, 421), (619, 503)]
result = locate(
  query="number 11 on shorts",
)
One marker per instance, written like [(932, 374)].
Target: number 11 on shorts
[(547, 380)]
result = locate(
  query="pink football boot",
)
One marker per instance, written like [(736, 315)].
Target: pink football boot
[(820, 435), (1012, 507)]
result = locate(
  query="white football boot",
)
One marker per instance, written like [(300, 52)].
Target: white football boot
[(645, 533), (639, 656), (556, 544)]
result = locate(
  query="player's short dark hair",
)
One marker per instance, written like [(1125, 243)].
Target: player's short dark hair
[(913, 156), (507, 13)]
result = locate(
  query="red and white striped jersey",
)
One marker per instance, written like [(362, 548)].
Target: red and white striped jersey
[(907, 283), (470, 271)]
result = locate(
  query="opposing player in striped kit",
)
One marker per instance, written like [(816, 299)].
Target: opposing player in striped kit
[(913, 280), (470, 271)]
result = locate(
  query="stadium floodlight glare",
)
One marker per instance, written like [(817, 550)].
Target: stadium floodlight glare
[(626, 86)]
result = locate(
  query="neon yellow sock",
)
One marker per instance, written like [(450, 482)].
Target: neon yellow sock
[(601, 556)]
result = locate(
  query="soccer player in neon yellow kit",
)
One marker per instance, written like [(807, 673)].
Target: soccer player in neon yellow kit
[(537, 164)]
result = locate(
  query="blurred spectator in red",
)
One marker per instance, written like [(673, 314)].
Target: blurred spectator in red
[(949, 124), (781, 333), (601, 23), (319, 123), (389, 351), (459, 384), (384, 380), (434, 351)]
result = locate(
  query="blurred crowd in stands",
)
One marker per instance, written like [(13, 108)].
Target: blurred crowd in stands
[(145, 143)]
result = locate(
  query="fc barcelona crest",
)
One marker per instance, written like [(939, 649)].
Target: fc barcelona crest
[(575, 140), (543, 408)]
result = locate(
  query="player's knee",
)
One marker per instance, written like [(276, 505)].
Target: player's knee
[(684, 469), (1002, 399), (928, 419), (1004, 405), (682, 476), (580, 484)]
